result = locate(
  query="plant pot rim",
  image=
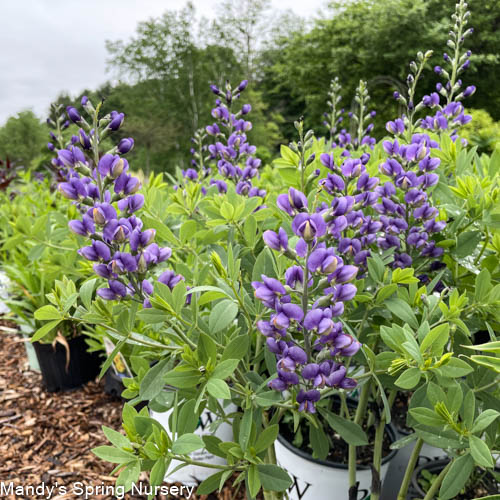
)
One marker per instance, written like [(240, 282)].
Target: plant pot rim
[(389, 428)]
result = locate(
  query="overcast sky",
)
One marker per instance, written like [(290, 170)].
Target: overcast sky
[(49, 46)]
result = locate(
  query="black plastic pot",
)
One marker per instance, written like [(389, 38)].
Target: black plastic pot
[(435, 467), (113, 384), (83, 366)]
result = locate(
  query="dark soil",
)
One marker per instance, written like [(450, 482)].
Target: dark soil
[(338, 452), (47, 437), (484, 485), (399, 412)]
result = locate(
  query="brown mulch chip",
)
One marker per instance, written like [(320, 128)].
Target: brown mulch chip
[(47, 437)]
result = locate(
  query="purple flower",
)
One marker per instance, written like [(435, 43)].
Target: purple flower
[(73, 114), (116, 120), (292, 202), (116, 291), (268, 291), (170, 279), (96, 251), (285, 313), (309, 226), (323, 260), (396, 127), (132, 203), (307, 399), (276, 241), (125, 145)]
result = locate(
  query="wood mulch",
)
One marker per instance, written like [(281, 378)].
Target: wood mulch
[(47, 437)]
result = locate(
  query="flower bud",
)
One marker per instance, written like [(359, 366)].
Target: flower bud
[(73, 114), (125, 145)]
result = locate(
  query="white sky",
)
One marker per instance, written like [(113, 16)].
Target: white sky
[(49, 46)]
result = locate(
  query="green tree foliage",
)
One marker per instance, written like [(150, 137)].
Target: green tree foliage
[(22, 138), (375, 40)]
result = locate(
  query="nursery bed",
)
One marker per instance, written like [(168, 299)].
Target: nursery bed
[(47, 437)]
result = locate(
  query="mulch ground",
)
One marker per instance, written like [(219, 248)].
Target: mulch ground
[(47, 437)]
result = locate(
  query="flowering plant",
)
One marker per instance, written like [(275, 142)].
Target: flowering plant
[(274, 313)]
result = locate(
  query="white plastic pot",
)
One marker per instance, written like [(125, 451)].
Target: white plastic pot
[(315, 479), (191, 475)]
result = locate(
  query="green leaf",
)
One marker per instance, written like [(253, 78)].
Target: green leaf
[(44, 330), (237, 348), (426, 416), (319, 442), (273, 478), (263, 265), (436, 339), (207, 349), (225, 369), (456, 368), (218, 389), (187, 230), (158, 472), (467, 242), (222, 315), (116, 438), (400, 309), (375, 268), (385, 292), (86, 291), (457, 476), (47, 313), (113, 455), (480, 452), (484, 419), (351, 432), (245, 429), (404, 276), (183, 379), (409, 378), (250, 230), (210, 484), (187, 443), (483, 285), (266, 438), (488, 361), (253, 480), (153, 382)]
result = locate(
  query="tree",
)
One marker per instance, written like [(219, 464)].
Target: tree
[(375, 40), (22, 138)]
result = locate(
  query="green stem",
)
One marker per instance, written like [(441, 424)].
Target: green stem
[(431, 494), (403, 491), (377, 458), (360, 411)]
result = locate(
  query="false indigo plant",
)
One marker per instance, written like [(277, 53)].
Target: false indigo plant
[(302, 330), (101, 185), (232, 153)]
